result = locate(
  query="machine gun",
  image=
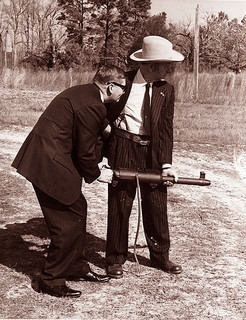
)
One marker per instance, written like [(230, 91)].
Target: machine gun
[(153, 177)]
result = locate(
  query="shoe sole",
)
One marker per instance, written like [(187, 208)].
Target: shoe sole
[(87, 280), (167, 271), (56, 295), (176, 272), (113, 276)]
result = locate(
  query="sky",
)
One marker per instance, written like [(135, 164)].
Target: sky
[(179, 11)]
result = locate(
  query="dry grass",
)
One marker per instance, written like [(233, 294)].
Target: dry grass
[(193, 122), (214, 88), (216, 124), (22, 107), (207, 226), (43, 80)]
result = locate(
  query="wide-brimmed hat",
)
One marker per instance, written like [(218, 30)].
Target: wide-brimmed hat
[(156, 49)]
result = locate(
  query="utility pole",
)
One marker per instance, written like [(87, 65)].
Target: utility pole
[(196, 54), (2, 61)]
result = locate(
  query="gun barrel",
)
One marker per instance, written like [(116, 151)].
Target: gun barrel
[(193, 181), (156, 178)]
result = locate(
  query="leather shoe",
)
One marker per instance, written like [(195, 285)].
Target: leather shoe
[(168, 266), (59, 291), (115, 271), (90, 276)]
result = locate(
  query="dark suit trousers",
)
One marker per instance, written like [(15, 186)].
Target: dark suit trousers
[(127, 154), (67, 227)]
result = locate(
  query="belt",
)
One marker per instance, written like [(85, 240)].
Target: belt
[(142, 140)]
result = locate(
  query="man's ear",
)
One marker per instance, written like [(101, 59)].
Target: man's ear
[(109, 89)]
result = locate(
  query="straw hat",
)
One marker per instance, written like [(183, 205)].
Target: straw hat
[(156, 49)]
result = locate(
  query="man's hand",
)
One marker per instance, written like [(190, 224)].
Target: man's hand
[(106, 132), (106, 175), (169, 172)]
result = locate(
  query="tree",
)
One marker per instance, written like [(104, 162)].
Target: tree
[(132, 20), (107, 29), (121, 22), (157, 25), (30, 32), (44, 34), (182, 37), (103, 29), (80, 19), (222, 43), (74, 14), (13, 11)]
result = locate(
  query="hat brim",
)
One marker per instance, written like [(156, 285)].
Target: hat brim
[(176, 56)]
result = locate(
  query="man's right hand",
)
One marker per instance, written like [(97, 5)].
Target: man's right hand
[(106, 175)]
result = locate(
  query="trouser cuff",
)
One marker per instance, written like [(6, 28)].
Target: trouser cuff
[(116, 259)]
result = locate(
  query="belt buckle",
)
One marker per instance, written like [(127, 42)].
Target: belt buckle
[(143, 143)]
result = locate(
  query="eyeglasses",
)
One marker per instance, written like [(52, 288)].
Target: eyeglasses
[(119, 85)]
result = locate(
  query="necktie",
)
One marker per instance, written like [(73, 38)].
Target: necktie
[(147, 110)]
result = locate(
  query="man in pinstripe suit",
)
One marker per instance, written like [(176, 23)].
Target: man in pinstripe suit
[(142, 138)]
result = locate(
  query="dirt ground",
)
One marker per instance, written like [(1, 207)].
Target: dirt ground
[(207, 227)]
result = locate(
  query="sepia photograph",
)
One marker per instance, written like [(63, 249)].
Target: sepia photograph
[(123, 159)]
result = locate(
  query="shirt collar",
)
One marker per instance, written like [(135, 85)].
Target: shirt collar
[(101, 95), (139, 79)]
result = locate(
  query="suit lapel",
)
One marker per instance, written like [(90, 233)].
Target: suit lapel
[(157, 100)]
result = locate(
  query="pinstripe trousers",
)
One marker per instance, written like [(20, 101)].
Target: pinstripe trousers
[(124, 153)]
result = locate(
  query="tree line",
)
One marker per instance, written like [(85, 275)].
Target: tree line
[(64, 34)]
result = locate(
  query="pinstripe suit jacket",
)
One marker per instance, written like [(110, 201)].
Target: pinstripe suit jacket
[(162, 111)]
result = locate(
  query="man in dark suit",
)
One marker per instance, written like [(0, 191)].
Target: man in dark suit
[(60, 151), (142, 138)]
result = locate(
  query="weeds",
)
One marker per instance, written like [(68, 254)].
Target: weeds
[(214, 88), (43, 80)]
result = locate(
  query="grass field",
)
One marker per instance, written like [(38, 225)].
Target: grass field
[(207, 226), (225, 88)]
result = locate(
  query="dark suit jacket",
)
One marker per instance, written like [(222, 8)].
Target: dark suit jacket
[(162, 112), (61, 148)]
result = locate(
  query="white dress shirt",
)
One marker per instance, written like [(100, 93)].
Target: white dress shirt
[(131, 117)]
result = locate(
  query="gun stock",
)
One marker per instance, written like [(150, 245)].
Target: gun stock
[(154, 177)]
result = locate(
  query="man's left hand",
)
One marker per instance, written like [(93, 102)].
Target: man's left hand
[(169, 173)]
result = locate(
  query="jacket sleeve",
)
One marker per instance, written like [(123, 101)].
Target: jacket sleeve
[(87, 124), (166, 129)]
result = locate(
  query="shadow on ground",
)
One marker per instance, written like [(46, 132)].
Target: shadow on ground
[(24, 246)]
